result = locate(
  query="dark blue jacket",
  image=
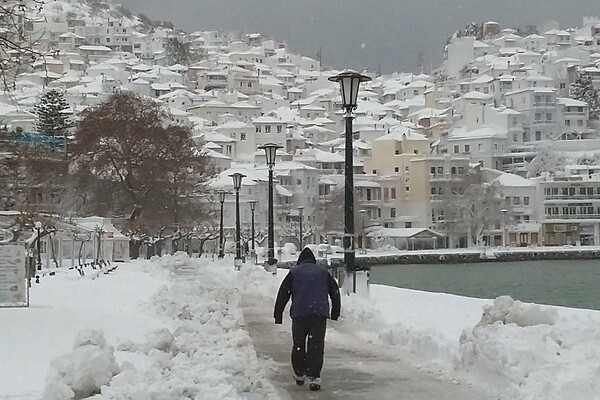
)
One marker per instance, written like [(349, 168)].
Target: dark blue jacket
[(309, 285)]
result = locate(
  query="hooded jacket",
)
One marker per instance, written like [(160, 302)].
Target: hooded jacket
[(309, 285)]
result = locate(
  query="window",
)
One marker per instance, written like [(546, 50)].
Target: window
[(567, 122), (526, 200), (440, 170), (407, 188), (392, 213), (461, 170), (548, 117), (453, 170), (379, 213), (393, 193), (579, 122), (396, 169), (242, 136), (432, 170), (516, 200), (467, 148), (416, 151), (563, 85), (386, 193), (267, 128), (279, 128), (433, 191), (538, 135), (456, 149), (298, 182), (480, 146), (258, 129)]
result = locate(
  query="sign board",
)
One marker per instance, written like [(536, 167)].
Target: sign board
[(13, 276)]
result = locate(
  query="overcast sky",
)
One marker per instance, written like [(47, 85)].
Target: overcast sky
[(362, 34)]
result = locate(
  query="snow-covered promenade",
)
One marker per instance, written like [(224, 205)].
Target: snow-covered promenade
[(176, 328)]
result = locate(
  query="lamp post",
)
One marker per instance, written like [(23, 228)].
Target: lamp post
[(504, 211), (38, 228), (349, 84), (270, 154), (237, 184), (301, 218), (362, 237), (221, 194), (253, 208)]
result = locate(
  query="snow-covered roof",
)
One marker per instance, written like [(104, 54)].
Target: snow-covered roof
[(569, 102), (486, 131), (403, 232), (512, 180)]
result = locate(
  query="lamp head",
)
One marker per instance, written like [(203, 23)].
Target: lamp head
[(349, 85), (270, 152), (237, 180), (253, 204)]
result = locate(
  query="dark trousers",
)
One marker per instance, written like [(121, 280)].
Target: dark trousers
[(308, 335)]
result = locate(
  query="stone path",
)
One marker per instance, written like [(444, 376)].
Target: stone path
[(347, 374)]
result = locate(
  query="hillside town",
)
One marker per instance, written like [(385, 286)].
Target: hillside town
[(499, 146)]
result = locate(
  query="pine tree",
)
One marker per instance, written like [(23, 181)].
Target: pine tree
[(583, 90), (52, 120)]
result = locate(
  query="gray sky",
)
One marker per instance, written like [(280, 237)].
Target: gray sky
[(362, 34)]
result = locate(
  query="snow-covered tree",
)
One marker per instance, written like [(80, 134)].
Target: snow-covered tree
[(583, 89), (546, 160), (52, 118), (474, 29), (177, 51)]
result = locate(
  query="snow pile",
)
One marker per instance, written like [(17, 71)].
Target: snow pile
[(256, 280), (82, 372), (526, 351), (423, 347), (206, 353)]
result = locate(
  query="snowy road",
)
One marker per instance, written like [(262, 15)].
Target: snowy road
[(347, 373)]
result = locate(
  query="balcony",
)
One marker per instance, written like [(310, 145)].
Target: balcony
[(562, 217), (544, 104), (574, 198), (445, 177), (544, 121)]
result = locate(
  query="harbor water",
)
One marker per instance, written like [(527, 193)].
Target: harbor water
[(573, 283)]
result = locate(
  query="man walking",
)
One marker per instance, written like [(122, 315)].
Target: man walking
[(309, 286)]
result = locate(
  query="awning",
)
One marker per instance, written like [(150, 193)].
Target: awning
[(281, 191)]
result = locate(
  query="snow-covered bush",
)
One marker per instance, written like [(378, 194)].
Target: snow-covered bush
[(82, 372)]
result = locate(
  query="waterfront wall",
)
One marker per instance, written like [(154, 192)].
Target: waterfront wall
[(468, 257)]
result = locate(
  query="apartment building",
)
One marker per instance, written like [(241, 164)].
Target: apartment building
[(569, 206)]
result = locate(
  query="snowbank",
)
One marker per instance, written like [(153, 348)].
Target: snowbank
[(526, 351), (510, 349), (204, 354), (82, 372)]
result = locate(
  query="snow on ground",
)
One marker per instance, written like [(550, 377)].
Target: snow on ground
[(173, 328)]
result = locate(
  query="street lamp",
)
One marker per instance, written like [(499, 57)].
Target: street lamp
[(221, 194), (253, 204), (349, 85), (237, 184), (38, 228), (301, 217), (504, 211), (270, 154)]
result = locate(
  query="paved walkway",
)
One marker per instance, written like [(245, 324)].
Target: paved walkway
[(347, 374)]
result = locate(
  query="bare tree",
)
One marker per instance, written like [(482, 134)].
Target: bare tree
[(474, 211), (17, 42), (292, 229), (129, 163)]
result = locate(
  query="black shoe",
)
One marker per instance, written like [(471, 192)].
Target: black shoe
[(315, 384), (299, 379)]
